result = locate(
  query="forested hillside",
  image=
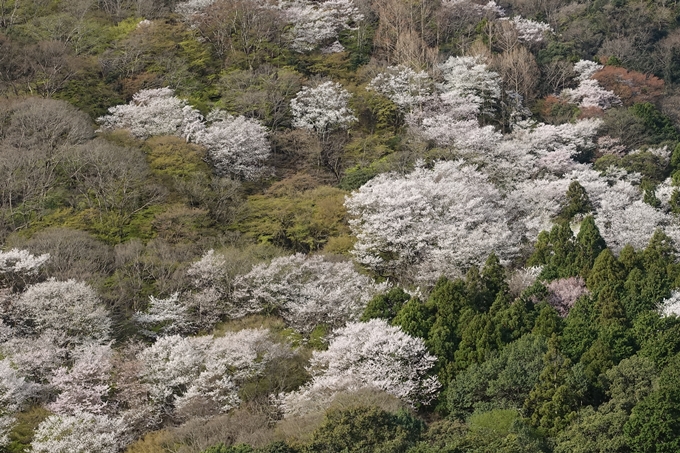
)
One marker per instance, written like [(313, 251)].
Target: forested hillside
[(423, 226)]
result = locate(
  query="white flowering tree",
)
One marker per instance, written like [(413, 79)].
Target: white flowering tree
[(564, 293), (589, 93), (85, 385), (236, 146), (317, 23), (190, 7), (671, 306), (14, 392), (531, 31), (322, 109), (305, 291), (154, 112), (450, 118), (403, 86), (70, 308), (430, 222), (372, 354), (230, 361), (166, 316), (179, 371), (80, 433), (19, 267)]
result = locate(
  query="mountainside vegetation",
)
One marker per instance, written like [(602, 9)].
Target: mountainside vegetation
[(295, 226)]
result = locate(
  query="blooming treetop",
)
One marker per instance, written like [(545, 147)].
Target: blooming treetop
[(322, 108), (450, 118), (315, 23), (70, 308), (80, 433), (154, 112), (431, 221), (370, 354), (531, 31), (236, 145), (671, 306), (179, 370), (164, 317), (84, 386), (21, 261), (305, 291), (589, 92), (403, 86), (14, 392)]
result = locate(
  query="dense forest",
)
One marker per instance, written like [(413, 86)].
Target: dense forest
[(250, 226)]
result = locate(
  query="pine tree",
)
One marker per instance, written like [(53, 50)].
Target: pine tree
[(589, 244), (577, 202)]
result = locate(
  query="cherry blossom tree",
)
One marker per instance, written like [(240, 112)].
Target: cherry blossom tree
[(190, 7), (322, 109), (236, 145), (85, 385), (403, 86), (230, 361), (179, 371), (22, 261), (564, 292), (305, 291), (170, 366), (164, 317), (14, 392), (523, 278), (37, 357), (531, 31), (467, 90), (589, 92), (371, 354), (72, 308), (20, 267), (671, 306), (430, 222), (80, 433), (316, 23), (154, 112)]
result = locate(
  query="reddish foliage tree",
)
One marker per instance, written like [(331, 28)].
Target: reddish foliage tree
[(631, 86)]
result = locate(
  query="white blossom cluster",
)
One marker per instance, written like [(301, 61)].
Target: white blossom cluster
[(322, 108), (235, 145), (179, 370), (531, 31), (315, 23), (671, 306), (403, 86), (589, 92), (21, 261), (164, 317), (305, 291), (491, 8), (154, 112), (467, 90), (371, 354), (431, 222)]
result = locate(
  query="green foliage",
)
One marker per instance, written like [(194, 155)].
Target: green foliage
[(21, 434), (661, 126), (385, 306), (654, 424), (222, 448), (366, 429), (299, 220), (503, 380), (578, 202)]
